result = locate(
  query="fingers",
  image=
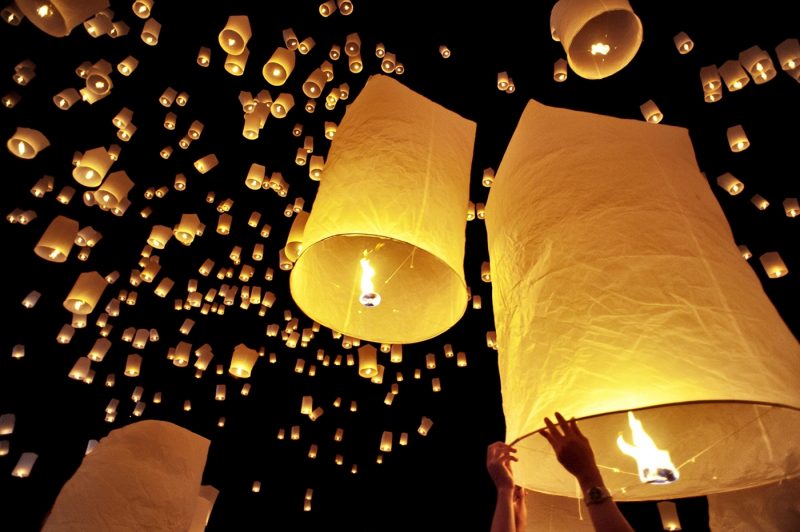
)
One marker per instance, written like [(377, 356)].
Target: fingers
[(551, 428)]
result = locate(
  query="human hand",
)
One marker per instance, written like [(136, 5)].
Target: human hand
[(572, 449), (520, 509), (498, 463)]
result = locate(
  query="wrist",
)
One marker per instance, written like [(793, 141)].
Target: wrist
[(590, 479)]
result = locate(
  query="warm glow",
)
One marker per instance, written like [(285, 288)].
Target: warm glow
[(368, 298), (600, 48), (791, 64), (655, 466), (21, 148), (44, 10), (737, 84)]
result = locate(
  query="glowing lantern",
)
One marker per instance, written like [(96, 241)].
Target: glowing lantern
[(151, 31), (758, 64), (290, 39), (204, 164), (66, 98), (418, 302), (24, 465), (113, 190), (732, 185), (306, 45), (651, 112), (234, 36), (187, 229), (204, 56), (277, 70), (683, 43), (712, 84), (26, 143), (85, 293), (141, 8), (733, 75), (58, 17), (367, 361), (773, 265), (235, 64), (56, 242), (791, 207), (424, 426), (599, 37), (560, 70), (243, 361), (760, 202), (327, 8), (636, 318), (92, 167), (314, 83), (737, 139), (11, 14), (133, 365), (668, 511), (788, 53)]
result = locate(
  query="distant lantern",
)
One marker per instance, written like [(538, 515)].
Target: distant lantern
[(651, 112), (92, 167), (352, 45), (113, 190), (85, 293), (306, 45), (367, 361), (204, 56), (279, 67), (635, 316), (282, 104), (235, 64), (600, 37), (7, 422), (343, 229), (11, 99), (234, 36), (760, 202), (745, 251), (386, 441), (426, 423), (56, 242), (11, 14), (791, 207), (560, 70), (314, 84), (737, 139), (133, 365), (788, 52), (712, 84), (66, 98), (255, 177), (345, 7), (335, 52), (290, 39), (294, 242), (26, 143), (151, 31), (683, 43), (204, 164), (59, 17), (733, 75), (758, 64), (159, 236), (243, 360), (732, 185), (31, 299), (122, 118), (354, 63), (326, 9), (26, 460), (195, 130), (444, 51), (668, 511), (98, 78), (773, 265), (187, 228), (80, 369)]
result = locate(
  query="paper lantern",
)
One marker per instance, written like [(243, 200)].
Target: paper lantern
[(732, 185), (424, 426), (733, 75), (758, 64), (204, 56), (712, 84), (773, 265), (150, 457), (85, 293), (759, 201), (737, 139), (600, 37), (306, 45), (187, 229), (791, 207), (600, 312), (204, 164), (56, 242), (788, 52), (279, 67), (92, 167), (360, 213), (11, 14), (234, 36), (354, 63), (142, 8), (243, 360), (651, 112), (80, 369), (683, 43), (282, 104), (24, 465), (327, 8), (26, 143), (59, 17), (151, 31), (133, 365), (668, 511), (66, 98), (235, 64), (560, 70), (114, 190), (314, 84)]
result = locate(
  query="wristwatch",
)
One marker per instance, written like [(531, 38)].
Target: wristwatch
[(596, 495)]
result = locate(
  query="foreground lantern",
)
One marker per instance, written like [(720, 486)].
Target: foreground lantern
[(58, 17), (600, 311), (410, 230), (600, 37)]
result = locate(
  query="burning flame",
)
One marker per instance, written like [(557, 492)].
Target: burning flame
[(655, 466), (368, 298), (600, 48)]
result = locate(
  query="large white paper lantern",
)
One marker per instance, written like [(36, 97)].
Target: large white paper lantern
[(600, 37), (617, 287), (393, 193)]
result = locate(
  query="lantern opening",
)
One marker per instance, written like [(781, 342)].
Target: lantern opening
[(655, 466)]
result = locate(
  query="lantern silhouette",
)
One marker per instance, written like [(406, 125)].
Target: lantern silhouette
[(365, 220), (58, 17), (600, 37), (601, 311)]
